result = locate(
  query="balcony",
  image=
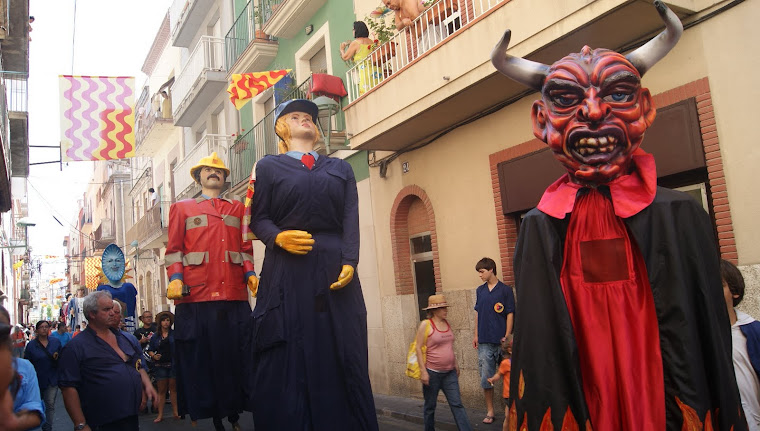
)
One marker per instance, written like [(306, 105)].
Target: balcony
[(105, 233), (184, 186), (152, 128), (186, 17), (24, 297), (142, 174), (16, 96), (248, 48), (14, 35), (261, 139), (152, 229), (201, 80), (419, 93), (286, 18)]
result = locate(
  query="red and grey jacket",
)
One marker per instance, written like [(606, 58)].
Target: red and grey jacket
[(206, 250)]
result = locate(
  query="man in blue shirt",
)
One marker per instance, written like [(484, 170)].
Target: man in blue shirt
[(494, 314), (95, 362), (62, 334)]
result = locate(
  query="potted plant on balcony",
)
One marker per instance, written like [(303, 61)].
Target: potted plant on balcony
[(259, 25), (384, 32)]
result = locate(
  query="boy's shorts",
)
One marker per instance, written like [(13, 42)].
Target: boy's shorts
[(488, 362)]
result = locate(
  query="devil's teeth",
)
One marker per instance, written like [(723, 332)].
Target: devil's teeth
[(602, 141)]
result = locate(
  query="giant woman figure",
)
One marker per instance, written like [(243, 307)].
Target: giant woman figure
[(308, 349)]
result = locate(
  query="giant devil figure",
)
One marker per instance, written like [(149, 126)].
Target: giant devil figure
[(209, 265), (113, 265), (308, 350), (621, 323)]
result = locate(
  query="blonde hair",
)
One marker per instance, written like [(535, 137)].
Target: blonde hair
[(283, 131)]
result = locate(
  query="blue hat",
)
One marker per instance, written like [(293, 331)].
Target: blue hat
[(296, 105)]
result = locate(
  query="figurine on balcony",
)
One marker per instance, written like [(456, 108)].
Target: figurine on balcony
[(621, 322), (358, 50), (209, 266), (166, 105), (308, 346), (113, 266)]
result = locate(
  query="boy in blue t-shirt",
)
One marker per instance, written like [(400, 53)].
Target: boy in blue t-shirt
[(494, 315)]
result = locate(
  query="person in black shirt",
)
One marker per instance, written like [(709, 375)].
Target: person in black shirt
[(147, 330)]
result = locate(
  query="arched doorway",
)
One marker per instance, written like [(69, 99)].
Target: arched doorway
[(415, 245)]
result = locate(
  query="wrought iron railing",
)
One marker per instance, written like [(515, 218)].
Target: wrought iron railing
[(208, 55), (434, 26), (147, 115), (151, 225), (261, 139), (16, 91), (209, 144), (245, 29), (268, 7)]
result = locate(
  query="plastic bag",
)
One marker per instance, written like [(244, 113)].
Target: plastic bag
[(412, 362)]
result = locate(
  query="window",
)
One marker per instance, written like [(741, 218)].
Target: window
[(421, 250)]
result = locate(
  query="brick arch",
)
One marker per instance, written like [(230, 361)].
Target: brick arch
[(400, 238)]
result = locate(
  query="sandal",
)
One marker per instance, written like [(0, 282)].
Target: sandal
[(488, 419)]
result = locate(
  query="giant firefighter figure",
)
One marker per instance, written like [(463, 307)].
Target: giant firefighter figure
[(113, 264), (309, 365), (209, 266), (621, 323)]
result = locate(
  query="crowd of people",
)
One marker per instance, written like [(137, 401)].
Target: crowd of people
[(49, 360)]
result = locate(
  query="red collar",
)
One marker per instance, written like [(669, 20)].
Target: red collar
[(630, 193)]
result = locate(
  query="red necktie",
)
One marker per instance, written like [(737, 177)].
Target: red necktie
[(308, 160)]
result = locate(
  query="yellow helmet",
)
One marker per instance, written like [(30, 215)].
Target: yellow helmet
[(212, 161)]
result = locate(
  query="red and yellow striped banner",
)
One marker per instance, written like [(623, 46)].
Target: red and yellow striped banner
[(243, 87), (97, 117)]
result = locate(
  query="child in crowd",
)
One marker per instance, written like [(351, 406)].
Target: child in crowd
[(505, 367), (745, 341)]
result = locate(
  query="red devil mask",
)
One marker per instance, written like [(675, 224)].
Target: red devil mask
[(593, 112)]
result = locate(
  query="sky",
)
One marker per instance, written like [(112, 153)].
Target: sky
[(112, 38)]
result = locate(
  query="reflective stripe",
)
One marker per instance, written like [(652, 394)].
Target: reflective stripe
[(172, 258), (195, 258), (235, 257), (231, 220), (196, 221), (247, 257)]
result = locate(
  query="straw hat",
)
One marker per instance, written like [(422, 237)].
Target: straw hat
[(436, 301), (162, 314)]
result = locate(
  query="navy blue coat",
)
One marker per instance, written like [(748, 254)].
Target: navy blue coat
[(308, 344)]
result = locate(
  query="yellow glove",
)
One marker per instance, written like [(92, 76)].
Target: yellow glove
[(174, 291), (253, 285), (294, 241), (345, 277)]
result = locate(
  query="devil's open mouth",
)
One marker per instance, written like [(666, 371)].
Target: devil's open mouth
[(597, 146)]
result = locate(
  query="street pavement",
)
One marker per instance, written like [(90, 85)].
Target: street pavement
[(393, 414)]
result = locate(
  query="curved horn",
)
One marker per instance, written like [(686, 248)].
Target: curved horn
[(647, 55), (519, 69)]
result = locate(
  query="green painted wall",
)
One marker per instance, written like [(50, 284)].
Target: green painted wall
[(360, 165), (340, 14)]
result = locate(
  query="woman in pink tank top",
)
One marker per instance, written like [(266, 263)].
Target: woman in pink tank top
[(438, 368)]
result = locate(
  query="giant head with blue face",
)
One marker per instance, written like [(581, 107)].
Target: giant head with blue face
[(113, 263)]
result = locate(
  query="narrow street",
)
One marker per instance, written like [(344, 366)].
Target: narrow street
[(63, 423)]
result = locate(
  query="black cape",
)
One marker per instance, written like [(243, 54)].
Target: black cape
[(675, 237)]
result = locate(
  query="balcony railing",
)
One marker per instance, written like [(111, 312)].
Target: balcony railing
[(435, 26), (185, 17), (208, 55), (148, 116), (151, 226), (261, 139), (105, 233), (183, 183), (16, 91), (245, 29)]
